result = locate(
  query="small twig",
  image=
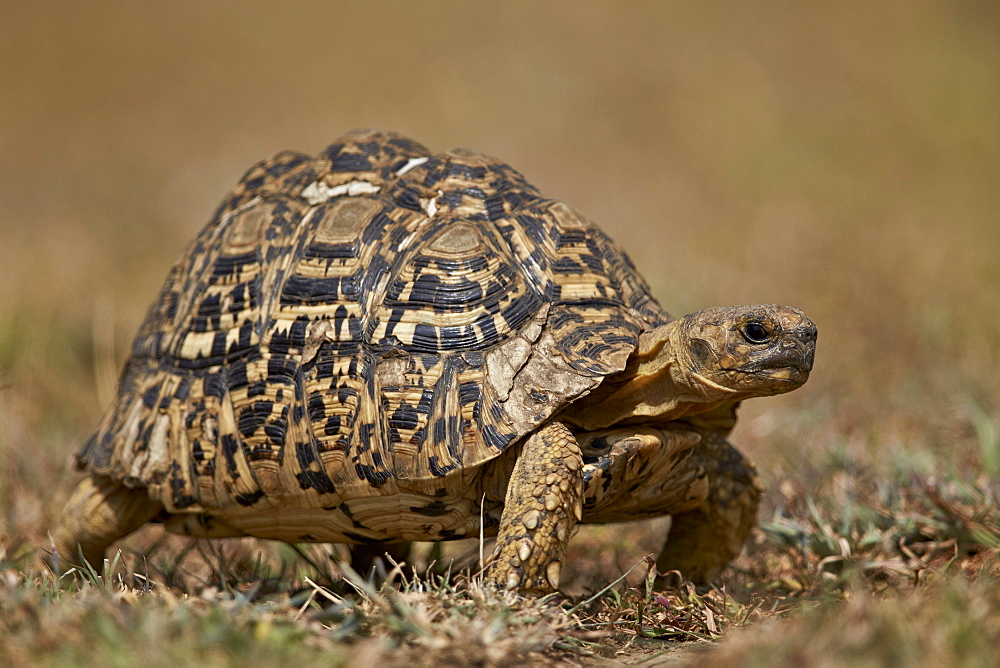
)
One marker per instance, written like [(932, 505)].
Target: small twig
[(324, 592), (312, 597), (482, 538)]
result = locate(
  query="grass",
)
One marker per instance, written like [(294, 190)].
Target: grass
[(884, 575), (842, 158)]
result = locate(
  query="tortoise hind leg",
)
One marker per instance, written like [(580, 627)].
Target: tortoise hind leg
[(99, 512), (703, 541)]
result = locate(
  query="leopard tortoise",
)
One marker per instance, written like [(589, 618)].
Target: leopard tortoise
[(378, 344)]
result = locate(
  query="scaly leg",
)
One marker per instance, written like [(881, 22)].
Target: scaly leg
[(633, 473), (99, 512), (701, 542), (544, 500)]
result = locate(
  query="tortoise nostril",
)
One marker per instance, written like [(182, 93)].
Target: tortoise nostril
[(805, 334)]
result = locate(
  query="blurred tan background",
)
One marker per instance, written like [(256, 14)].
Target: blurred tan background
[(840, 157)]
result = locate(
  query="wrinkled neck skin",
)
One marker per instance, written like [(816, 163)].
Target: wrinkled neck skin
[(660, 384)]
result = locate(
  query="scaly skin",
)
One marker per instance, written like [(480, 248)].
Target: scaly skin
[(693, 474), (544, 502), (100, 511), (702, 541)]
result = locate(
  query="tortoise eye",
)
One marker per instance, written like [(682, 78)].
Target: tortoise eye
[(754, 332)]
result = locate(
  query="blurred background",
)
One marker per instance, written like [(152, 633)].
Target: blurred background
[(841, 157)]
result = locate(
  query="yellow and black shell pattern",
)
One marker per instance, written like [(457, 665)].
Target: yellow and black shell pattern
[(372, 319)]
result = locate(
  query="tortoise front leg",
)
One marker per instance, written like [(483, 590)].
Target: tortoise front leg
[(99, 512), (544, 500), (632, 473), (689, 472), (703, 541)]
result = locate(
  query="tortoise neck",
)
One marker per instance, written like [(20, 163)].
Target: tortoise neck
[(657, 385)]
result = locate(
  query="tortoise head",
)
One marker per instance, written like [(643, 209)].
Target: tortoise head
[(749, 351), (701, 361)]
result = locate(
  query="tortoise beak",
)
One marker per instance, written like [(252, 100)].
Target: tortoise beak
[(798, 349), (790, 359)]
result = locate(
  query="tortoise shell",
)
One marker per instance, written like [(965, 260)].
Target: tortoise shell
[(369, 321)]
